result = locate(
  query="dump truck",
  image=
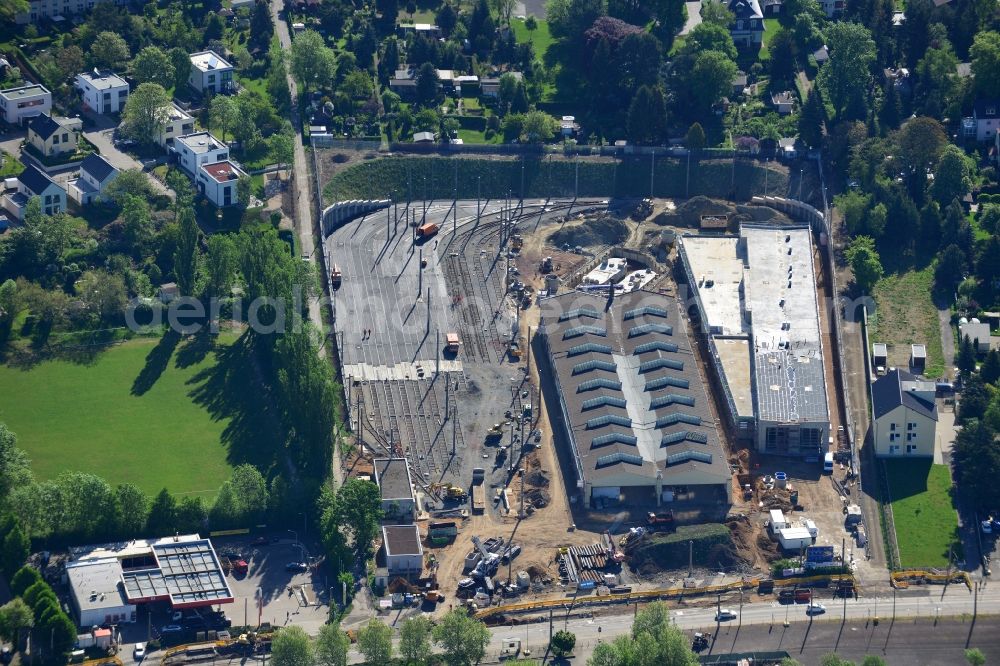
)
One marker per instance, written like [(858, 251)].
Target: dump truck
[(427, 230), (516, 242), (478, 490), (452, 343)]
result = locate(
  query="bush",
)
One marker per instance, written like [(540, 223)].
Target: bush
[(562, 643), (475, 123)]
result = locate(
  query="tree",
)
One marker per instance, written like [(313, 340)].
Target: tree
[(975, 656), (503, 9), (15, 615), (244, 190), (966, 358), (129, 183), (133, 507), (811, 120), (950, 269), (291, 647), (25, 577), (360, 510), (710, 37), (15, 467), (463, 638), (181, 61), (162, 514), (873, 660), (985, 58), (186, 255), (223, 114), (570, 18), (920, 141), (332, 645), (427, 84), (952, 178), (9, 10), (647, 116), (14, 551), (109, 50), (695, 137), (562, 643), (834, 660), (153, 65), (848, 71), (103, 294), (312, 62), (261, 25), (220, 266), (415, 640), (145, 113), (539, 126), (717, 13), (865, 262), (711, 77), (375, 642), (250, 491)]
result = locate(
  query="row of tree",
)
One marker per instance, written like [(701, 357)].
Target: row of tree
[(35, 609)]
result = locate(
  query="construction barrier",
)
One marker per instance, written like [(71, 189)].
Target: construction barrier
[(650, 595), (103, 661), (901, 579)]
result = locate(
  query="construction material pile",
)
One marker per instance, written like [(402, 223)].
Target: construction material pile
[(589, 562), (604, 230)]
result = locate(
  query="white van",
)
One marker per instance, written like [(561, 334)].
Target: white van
[(828, 463)]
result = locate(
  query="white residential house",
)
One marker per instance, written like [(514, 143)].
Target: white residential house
[(218, 182), (178, 123), (96, 173), (747, 28), (210, 73), (986, 116), (198, 149), (55, 9), (783, 102), (52, 137), (832, 8), (24, 102), (34, 182), (904, 416), (404, 556), (103, 92)]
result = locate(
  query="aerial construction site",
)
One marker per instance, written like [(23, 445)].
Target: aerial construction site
[(537, 402)]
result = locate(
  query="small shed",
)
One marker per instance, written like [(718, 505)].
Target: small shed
[(778, 521), (423, 137), (880, 355), (991, 318), (853, 515), (794, 538), (918, 358)]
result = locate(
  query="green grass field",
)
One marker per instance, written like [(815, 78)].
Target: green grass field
[(771, 27), (540, 38), (154, 412), (922, 510), (905, 315)]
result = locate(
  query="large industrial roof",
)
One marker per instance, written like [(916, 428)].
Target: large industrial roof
[(184, 570), (631, 385)]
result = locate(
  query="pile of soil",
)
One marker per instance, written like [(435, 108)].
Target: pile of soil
[(539, 498), (604, 230), (400, 586), (776, 498), (536, 571), (538, 478), (714, 546), (689, 213)]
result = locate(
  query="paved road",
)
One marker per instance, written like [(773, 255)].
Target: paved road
[(303, 191)]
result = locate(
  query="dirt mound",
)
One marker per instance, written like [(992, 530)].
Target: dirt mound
[(603, 230), (536, 571), (776, 498), (538, 478), (538, 498), (689, 213), (400, 586)]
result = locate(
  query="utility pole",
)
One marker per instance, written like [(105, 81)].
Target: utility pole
[(361, 430), (479, 197), (388, 233), (454, 201), (690, 558), (521, 513), (687, 178), (420, 272), (428, 309), (843, 561), (528, 345), (454, 433), (765, 178), (652, 169), (437, 354)]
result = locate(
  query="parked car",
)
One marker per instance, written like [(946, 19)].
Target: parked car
[(297, 567), (815, 609), (466, 584), (139, 652), (725, 614), (171, 629), (700, 642)]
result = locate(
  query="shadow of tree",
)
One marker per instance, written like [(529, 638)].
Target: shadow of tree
[(228, 390), (195, 349), (157, 361)]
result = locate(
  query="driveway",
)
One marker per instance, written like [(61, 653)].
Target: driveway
[(102, 137), (10, 142)]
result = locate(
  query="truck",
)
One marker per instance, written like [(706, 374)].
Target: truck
[(452, 343), (659, 521), (336, 277), (494, 434), (478, 490), (444, 529), (427, 230), (546, 266)]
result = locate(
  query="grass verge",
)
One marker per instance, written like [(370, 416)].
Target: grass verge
[(922, 511), (905, 314)]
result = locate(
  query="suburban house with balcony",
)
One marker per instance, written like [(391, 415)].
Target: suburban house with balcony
[(24, 102), (904, 416), (986, 119), (103, 92), (747, 28), (200, 148), (210, 73), (52, 137), (218, 182), (178, 123), (34, 182), (96, 173)]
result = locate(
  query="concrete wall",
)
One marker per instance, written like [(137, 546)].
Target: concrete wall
[(344, 211)]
